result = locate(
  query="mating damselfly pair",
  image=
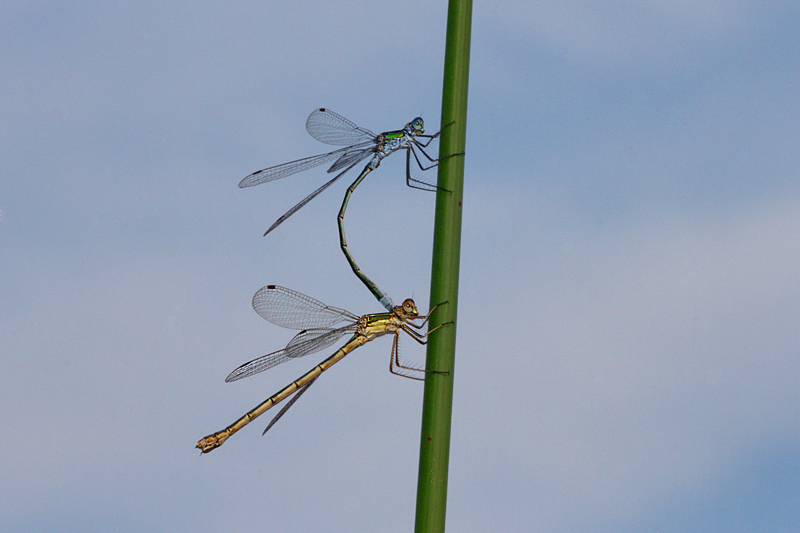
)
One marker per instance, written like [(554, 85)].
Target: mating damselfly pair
[(318, 322)]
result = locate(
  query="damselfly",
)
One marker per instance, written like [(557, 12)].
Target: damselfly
[(359, 144), (290, 309)]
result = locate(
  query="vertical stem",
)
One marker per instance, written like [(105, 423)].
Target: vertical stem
[(438, 399)]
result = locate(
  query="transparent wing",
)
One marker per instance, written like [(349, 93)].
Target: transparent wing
[(315, 339), (287, 169), (349, 159), (306, 342), (291, 309), (328, 127), (307, 199), (288, 405)]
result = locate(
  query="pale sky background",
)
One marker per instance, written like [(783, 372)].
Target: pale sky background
[(629, 321)]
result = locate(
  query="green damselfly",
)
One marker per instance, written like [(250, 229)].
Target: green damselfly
[(359, 144)]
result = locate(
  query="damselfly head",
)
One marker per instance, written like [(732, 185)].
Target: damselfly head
[(416, 126), (409, 308)]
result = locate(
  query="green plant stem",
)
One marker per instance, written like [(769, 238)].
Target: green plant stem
[(438, 398)]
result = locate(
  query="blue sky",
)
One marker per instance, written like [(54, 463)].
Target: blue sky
[(628, 346)]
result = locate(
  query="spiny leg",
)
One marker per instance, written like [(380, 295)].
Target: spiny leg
[(432, 137), (382, 297), (421, 185), (394, 362), (427, 317), (409, 179), (435, 162), (421, 338), (416, 335)]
